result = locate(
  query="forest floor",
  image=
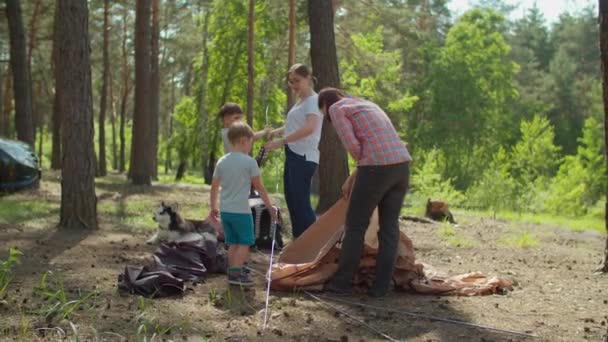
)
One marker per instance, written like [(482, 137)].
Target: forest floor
[(556, 297)]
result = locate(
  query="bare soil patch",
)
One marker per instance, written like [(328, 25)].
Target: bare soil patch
[(556, 296)]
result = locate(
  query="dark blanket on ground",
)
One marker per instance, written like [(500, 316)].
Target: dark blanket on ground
[(190, 258)]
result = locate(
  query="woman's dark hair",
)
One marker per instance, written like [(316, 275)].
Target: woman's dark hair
[(329, 96), (230, 108), (301, 70)]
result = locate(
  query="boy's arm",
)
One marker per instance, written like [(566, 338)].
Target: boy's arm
[(257, 184), (215, 186), (263, 133), (276, 132)]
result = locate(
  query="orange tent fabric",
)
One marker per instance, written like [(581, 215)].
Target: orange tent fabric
[(312, 259)]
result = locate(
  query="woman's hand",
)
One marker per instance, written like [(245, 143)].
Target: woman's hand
[(273, 145)]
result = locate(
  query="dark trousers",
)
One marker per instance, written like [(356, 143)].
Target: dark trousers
[(297, 178), (375, 186)]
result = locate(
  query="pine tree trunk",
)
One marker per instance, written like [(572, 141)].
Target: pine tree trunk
[(113, 120), (7, 104), (291, 51), (604, 57), (102, 168), (22, 89), (141, 166), (3, 127), (126, 89), (56, 119), (155, 87), (250, 56), (203, 109), (333, 163), (78, 201), (31, 45)]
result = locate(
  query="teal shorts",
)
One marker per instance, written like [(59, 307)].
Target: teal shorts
[(238, 228)]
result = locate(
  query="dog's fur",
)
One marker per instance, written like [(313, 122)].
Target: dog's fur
[(438, 211), (171, 226)]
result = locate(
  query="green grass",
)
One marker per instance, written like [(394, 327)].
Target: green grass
[(19, 211), (448, 234), (135, 214), (575, 224), (522, 239)]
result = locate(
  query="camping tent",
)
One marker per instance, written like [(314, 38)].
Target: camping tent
[(19, 165), (309, 261)]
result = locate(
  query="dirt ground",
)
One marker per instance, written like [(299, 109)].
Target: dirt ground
[(557, 297)]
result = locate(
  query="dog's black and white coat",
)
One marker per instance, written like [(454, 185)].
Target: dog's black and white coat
[(171, 226)]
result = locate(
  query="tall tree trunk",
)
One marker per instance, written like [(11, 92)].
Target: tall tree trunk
[(291, 51), (31, 44), (250, 56), (7, 104), (78, 201), (603, 7), (333, 163), (56, 119), (113, 121), (22, 89), (126, 89), (141, 166), (203, 109), (155, 86), (3, 128), (102, 168), (168, 155)]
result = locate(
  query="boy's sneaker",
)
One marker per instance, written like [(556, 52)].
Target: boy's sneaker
[(241, 279)]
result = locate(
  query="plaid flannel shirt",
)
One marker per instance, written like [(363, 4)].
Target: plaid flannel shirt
[(367, 133)]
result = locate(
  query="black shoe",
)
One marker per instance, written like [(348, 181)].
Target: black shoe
[(376, 293), (337, 290)]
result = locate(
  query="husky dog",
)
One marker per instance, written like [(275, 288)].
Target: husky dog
[(171, 226)]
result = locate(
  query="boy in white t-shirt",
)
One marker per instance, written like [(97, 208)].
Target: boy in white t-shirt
[(229, 114)]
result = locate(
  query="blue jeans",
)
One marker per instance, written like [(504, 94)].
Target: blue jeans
[(297, 178)]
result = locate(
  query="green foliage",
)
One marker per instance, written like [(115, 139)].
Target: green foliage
[(59, 306), (6, 270), (428, 182), (472, 84), (372, 72), (496, 189), (187, 133), (535, 155), (581, 179)]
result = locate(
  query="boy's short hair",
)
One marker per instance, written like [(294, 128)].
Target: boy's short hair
[(230, 108), (239, 130)]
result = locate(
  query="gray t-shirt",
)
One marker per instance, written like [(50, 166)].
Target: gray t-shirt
[(235, 170), (227, 144)]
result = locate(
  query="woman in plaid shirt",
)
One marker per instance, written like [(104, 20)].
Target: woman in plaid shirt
[(380, 180)]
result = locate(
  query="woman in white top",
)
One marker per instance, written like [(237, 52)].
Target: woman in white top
[(301, 135)]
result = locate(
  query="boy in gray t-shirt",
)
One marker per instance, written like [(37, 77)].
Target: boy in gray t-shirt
[(234, 174)]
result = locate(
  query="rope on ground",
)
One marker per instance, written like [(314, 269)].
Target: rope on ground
[(273, 228), (350, 316), (432, 318)]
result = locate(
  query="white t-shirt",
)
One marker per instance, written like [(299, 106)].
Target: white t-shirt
[(296, 119), (227, 144)]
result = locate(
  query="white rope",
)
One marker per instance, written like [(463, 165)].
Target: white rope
[(273, 228), (431, 318)]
